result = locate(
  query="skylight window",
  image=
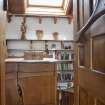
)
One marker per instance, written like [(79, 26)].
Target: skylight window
[(52, 3), (47, 7)]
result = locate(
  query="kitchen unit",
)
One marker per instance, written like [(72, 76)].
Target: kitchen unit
[(31, 82)]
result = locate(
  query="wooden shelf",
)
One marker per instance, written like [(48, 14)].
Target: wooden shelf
[(65, 71), (41, 50), (31, 47), (62, 50), (25, 50), (66, 81), (40, 40), (39, 15)]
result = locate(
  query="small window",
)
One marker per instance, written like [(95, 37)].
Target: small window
[(52, 3)]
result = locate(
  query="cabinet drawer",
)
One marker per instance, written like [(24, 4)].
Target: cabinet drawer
[(36, 67), (11, 67)]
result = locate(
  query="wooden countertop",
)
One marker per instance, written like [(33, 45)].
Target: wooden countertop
[(22, 60)]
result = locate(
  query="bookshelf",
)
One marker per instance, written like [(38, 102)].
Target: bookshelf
[(16, 47)]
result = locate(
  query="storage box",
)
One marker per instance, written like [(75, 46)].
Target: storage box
[(33, 55)]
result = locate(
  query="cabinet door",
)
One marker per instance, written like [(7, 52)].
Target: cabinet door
[(38, 87), (36, 84), (11, 84)]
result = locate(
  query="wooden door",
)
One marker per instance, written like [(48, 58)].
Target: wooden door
[(90, 60), (38, 83)]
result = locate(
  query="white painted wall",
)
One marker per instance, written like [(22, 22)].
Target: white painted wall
[(62, 27), (1, 11), (1, 4)]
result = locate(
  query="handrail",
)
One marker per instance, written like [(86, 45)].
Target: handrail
[(94, 17)]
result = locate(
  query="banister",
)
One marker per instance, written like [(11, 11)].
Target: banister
[(94, 17)]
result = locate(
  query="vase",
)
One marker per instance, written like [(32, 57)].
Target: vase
[(55, 35), (39, 34)]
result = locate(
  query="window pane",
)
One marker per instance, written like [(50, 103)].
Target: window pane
[(46, 2)]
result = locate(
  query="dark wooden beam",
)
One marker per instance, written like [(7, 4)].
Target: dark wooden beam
[(33, 15), (16, 6)]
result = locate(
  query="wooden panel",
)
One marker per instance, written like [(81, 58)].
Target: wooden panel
[(82, 55), (38, 89), (93, 83), (100, 103), (86, 97), (99, 53), (87, 54), (39, 67), (16, 6), (11, 67), (83, 96), (91, 100), (11, 92)]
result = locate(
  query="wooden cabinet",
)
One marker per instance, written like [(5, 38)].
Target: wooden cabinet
[(37, 83)]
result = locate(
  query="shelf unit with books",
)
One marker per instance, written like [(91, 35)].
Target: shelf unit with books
[(59, 49)]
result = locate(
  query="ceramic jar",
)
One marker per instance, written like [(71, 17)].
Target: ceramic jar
[(39, 34)]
